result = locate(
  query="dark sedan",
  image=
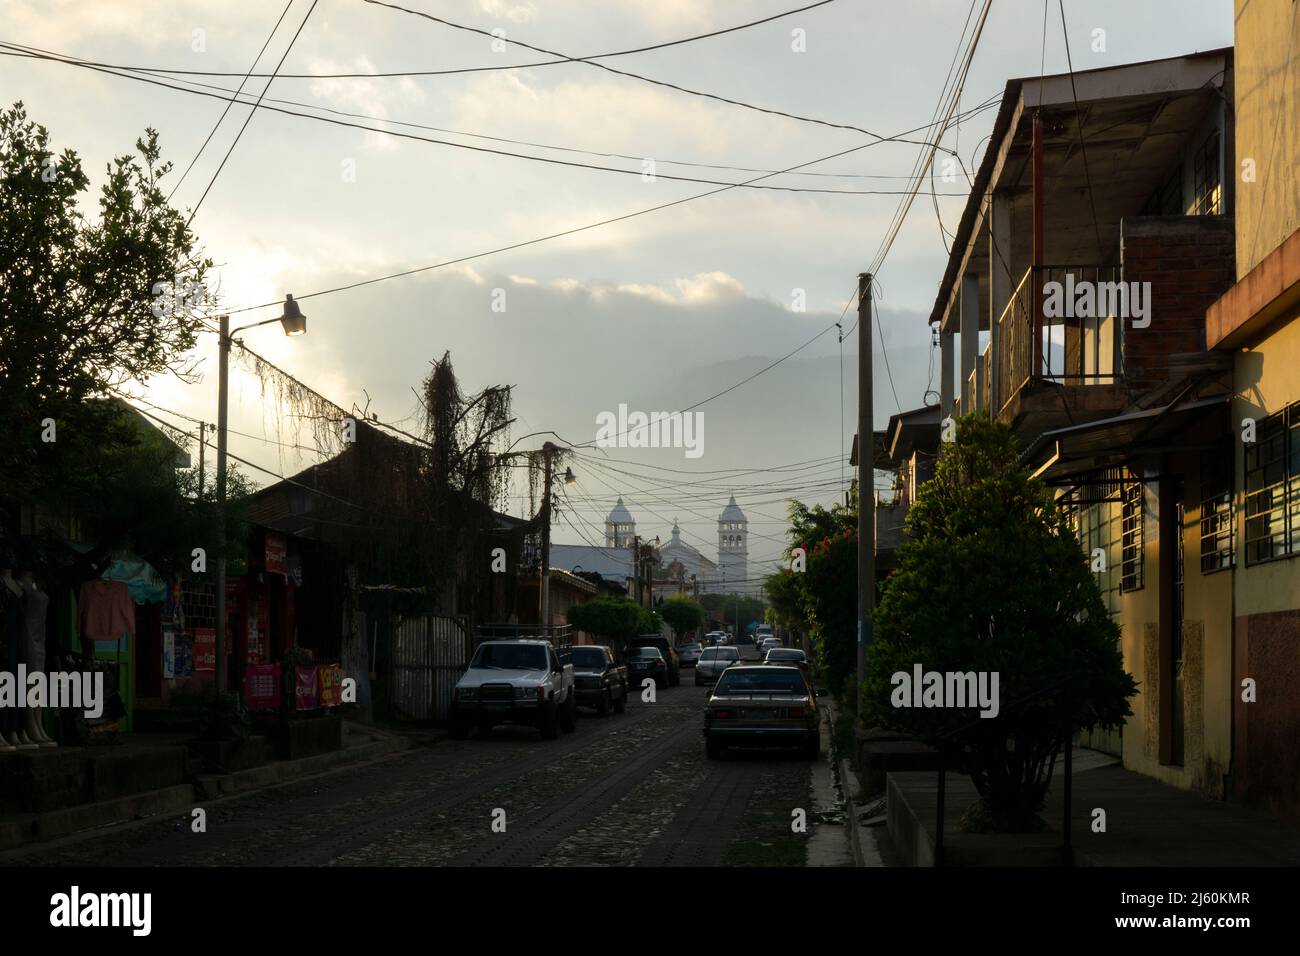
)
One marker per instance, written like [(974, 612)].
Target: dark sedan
[(647, 662), (762, 705)]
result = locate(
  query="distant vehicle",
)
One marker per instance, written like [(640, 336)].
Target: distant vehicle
[(762, 705), (599, 680), (768, 643), (745, 639), (690, 653), (516, 682), (789, 655), (713, 662), (762, 631), (647, 662), (665, 649)]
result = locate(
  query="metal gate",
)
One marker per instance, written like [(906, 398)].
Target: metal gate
[(430, 652)]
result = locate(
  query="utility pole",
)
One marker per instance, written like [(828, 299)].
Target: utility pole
[(223, 383), (545, 581), (203, 434), (866, 486)]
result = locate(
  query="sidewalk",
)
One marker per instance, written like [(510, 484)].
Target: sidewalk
[(1147, 824), (151, 774)]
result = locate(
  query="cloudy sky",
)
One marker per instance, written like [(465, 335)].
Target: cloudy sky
[(657, 312)]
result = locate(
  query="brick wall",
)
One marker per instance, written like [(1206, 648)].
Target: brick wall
[(1190, 262)]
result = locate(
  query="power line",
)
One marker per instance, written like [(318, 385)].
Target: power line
[(635, 76), (1078, 122), (194, 212), (231, 103)]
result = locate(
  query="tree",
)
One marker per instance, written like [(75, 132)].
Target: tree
[(86, 306), (681, 614), (615, 619), (992, 580)]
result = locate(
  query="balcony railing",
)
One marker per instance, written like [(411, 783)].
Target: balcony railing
[(1068, 333)]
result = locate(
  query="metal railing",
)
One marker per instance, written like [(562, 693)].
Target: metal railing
[(1061, 325)]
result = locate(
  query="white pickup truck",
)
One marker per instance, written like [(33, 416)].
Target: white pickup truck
[(519, 681)]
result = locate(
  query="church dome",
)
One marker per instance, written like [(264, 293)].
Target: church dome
[(732, 512), (620, 514)]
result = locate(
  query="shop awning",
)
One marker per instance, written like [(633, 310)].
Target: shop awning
[(1065, 453)]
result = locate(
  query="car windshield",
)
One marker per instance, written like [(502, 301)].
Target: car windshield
[(773, 680), (651, 652), (587, 657), (524, 657)]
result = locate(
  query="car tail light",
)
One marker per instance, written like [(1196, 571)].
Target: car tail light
[(723, 714), (794, 712)]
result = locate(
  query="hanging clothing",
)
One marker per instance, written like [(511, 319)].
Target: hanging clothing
[(107, 612), (139, 576), (36, 604)]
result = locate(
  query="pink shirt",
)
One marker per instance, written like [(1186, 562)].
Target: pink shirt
[(106, 610)]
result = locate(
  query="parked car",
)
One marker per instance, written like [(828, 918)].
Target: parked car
[(789, 655), (688, 654), (647, 661), (599, 680), (762, 705), (713, 662), (768, 643), (665, 649), (517, 682), (762, 631)]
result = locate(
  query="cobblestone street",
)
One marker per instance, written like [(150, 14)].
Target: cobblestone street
[(625, 790)]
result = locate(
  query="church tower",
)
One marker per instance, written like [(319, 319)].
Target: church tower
[(620, 528), (733, 549)]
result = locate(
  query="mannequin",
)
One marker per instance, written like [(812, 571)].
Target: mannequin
[(13, 628), (36, 604)]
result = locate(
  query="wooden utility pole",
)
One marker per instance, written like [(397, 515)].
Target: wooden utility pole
[(866, 486), (544, 582)]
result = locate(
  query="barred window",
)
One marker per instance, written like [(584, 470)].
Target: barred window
[(1132, 522), (1273, 488), (1217, 531), (1207, 183), (1093, 508)]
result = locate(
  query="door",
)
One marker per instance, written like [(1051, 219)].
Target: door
[(1176, 640)]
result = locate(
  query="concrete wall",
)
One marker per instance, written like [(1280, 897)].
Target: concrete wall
[(1267, 126), (1207, 656)]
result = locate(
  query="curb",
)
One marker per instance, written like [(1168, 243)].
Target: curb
[(211, 785), (850, 786)]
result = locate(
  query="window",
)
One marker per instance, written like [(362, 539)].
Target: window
[(1132, 525), (1217, 552), (1207, 184), (1093, 508), (1273, 488)]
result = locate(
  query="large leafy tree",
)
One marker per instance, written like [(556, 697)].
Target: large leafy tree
[(88, 301), (991, 579), (616, 620), (681, 614)]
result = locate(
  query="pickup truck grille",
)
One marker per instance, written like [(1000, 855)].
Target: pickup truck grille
[(496, 692), (588, 681)]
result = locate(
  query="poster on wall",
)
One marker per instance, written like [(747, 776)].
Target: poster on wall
[(184, 655), (331, 685), (205, 648), (306, 696), (169, 652), (262, 686), (277, 554)]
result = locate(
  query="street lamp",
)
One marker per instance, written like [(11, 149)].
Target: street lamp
[(294, 323)]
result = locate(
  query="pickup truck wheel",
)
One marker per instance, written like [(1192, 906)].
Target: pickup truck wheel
[(459, 728), (603, 707), (569, 714), (548, 723), (620, 704)]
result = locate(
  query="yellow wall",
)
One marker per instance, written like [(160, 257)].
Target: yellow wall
[(1267, 379), (1267, 79), (1207, 655)]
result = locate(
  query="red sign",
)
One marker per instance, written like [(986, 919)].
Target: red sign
[(205, 649), (305, 696), (277, 554), (331, 685), (262, 686)]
